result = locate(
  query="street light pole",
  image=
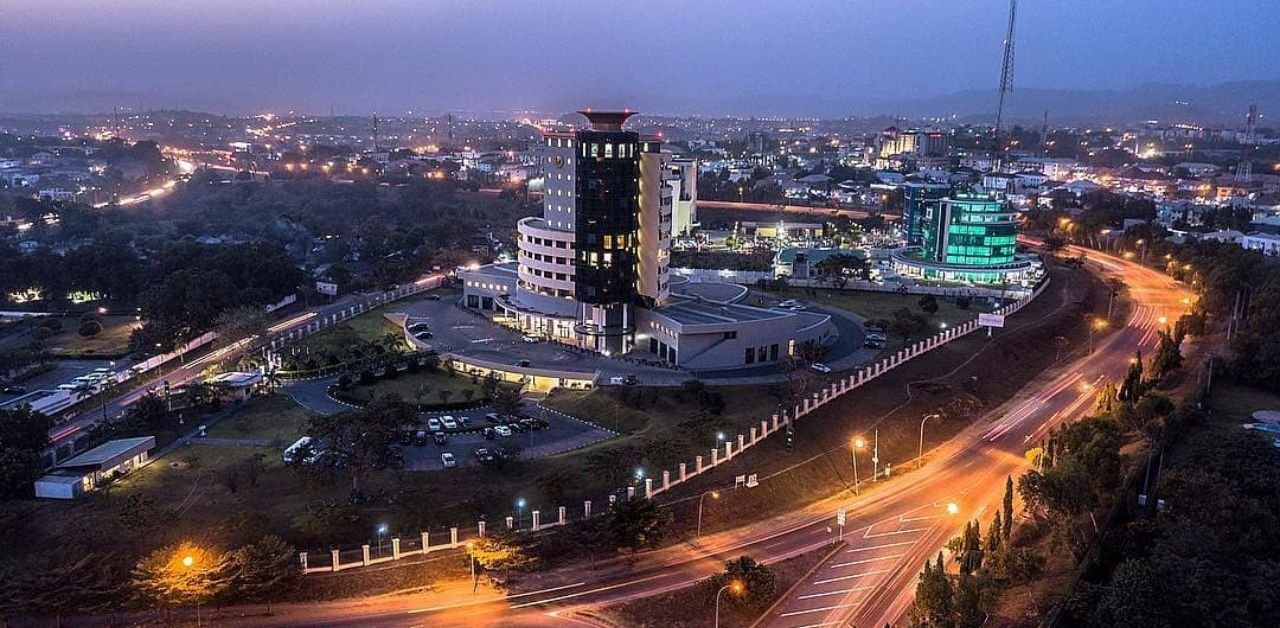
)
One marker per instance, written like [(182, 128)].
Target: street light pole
[(858, 443), (735, 586), (920, 455), (714, 495), (875, 459)]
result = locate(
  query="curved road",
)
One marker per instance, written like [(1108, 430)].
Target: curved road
[(890, 531)]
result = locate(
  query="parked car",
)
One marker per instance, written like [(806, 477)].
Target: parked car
[(15, 390), (493, 417), (448, 422), (448, 460), (521, 362), (534, 423), (489, 433), (788, 303), (517, 427), (424, 335), (529, 339), (820, 367), (433, 297), (485, 456), (406, 438), (502, 430), (464, 421), (420, 438), (440, 438), (416, 327), (434, 425), (630, 380)]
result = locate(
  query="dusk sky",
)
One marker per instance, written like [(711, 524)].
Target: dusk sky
[(686, 56)]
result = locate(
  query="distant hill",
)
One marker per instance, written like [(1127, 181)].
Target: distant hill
[(1217, 104)]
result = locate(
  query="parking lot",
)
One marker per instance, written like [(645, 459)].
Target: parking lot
[(64, 371), (562, 433)]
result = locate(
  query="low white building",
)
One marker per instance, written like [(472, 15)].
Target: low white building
[(87, 471), (1266, 243)]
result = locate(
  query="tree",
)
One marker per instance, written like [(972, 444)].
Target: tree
[(240, 322), (1168, 356), (759, 586), (365, 439), (908, 323), (500, 552), (929, 304), (263, 570), (637, 524), (1106, 400), (933, 603), (1007, 508), (181, 574), (1132, 388), (995, 535), (970, 557), (506, 399), (23, 435)]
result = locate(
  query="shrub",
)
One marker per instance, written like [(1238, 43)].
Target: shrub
[(91, 328)]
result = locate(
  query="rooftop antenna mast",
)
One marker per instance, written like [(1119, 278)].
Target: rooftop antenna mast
[(375, 132), (1006, 81), (1244, 169), (1044, 135)]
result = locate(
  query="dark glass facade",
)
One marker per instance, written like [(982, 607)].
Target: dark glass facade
[(607, 216), (919, 202)]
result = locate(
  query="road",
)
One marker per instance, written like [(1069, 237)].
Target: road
[(189, 370), (890, 530), (791, 209)]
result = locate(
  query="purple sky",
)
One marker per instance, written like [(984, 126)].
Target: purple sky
[(685, 56)]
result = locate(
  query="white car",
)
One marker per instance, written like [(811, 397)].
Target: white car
[(433, 425), (502, 430), (449, 422), (448, 460), (529, 339), (820, 367), (788, 303)]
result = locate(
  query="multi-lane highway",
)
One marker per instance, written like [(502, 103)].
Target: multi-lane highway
[(889, 532)]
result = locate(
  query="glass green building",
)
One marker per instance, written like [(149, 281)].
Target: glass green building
[(969, 238), (971, 230)]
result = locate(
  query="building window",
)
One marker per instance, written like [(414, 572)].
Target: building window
[(749, 357), (730, 335), (773, 353)]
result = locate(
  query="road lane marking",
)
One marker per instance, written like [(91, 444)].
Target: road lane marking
[(817, 610), (836, 592), (587, 592), (869, 535), (876, 547), (865, 560), (851, 576)]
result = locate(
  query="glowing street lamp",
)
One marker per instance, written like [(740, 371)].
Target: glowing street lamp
[(735, 587), (952, 508), (858, 443)]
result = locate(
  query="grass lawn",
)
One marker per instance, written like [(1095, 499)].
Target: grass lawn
[(274, 418), (372, 326), (431, 384), (113, 341), (695, 606), (881, 305)]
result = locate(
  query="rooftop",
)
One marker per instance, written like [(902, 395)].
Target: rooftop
[(110, 451), (696, 312)]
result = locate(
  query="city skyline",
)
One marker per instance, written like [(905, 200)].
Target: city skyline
[(818, 59)]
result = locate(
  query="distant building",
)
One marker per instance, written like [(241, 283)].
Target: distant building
[(683, 180), (1265, 243), (911, 143), (802, 263)]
